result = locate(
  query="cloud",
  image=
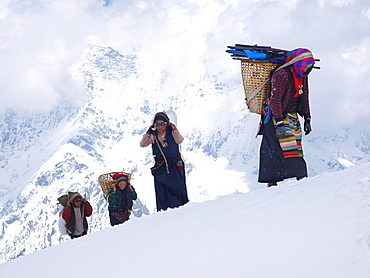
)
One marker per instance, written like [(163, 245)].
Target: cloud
[(40, 42)]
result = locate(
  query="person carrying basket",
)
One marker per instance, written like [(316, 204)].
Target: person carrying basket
[(281, 155), (120, 199)]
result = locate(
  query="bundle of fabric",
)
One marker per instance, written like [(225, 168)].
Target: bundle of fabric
[(65, 198)]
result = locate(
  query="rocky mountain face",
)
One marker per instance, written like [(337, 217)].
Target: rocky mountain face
[(43, 156)]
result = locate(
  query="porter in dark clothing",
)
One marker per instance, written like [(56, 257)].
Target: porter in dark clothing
[(168, 170), (281, 154)]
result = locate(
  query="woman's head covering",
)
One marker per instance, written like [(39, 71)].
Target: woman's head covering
[(120, 177), (161, 116), (298, 67), (115, 176), (75, 195)]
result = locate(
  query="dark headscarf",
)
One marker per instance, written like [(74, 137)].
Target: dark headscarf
[(161, 116), (122, 178)]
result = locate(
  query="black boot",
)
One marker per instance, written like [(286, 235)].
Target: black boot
[(270, 184)]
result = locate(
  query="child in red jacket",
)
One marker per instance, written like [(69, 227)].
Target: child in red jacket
[(75, 213)]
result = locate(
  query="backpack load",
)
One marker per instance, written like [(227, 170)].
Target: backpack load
[(257, 65), (106, 181)]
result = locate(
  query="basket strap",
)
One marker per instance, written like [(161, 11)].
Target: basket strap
[(300, 57), (164, 157), (82, 218)]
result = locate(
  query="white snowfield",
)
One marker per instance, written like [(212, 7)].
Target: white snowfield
[(317, 227)]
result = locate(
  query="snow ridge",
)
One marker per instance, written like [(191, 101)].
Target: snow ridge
[(318, 227)]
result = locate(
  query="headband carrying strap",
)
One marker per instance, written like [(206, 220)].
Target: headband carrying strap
[(300, 57)]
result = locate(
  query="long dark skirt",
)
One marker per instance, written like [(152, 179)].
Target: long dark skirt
[(170, 188), (273, 166), (118, 217)]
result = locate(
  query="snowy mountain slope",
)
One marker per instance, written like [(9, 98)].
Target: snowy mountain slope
[(346, 148), (318, 227), (24, 134), (44, 156)]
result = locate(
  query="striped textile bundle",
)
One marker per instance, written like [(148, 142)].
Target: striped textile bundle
[(292, 143)]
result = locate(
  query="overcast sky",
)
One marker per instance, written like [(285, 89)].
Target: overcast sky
[(41, 39)]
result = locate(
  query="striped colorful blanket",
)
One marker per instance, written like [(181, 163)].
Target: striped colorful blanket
[(292, 143)]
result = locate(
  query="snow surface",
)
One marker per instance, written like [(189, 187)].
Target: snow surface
[(317, 227)]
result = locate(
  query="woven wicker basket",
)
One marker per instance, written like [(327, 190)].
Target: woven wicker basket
[(255, 75), (106, 181)]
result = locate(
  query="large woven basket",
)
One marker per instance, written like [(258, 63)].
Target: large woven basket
[(106, 181), (255, 75)]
